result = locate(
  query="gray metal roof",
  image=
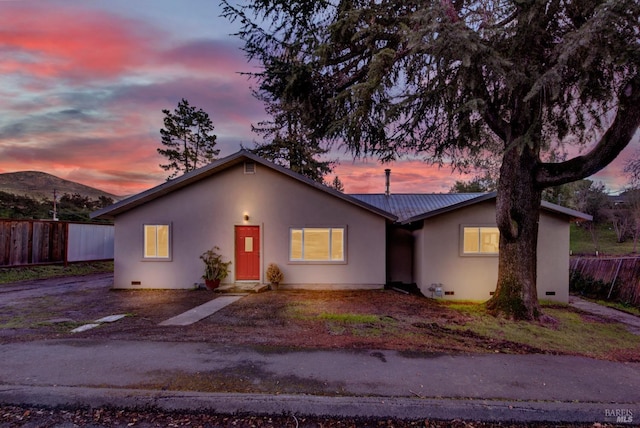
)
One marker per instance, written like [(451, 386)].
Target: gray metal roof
[(410, 205), (415, 207)]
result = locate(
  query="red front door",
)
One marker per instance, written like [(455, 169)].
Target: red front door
[(247, 253)]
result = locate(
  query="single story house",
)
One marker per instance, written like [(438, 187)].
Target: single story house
[(258, 213)]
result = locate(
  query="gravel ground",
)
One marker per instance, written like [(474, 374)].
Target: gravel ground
[(94, 418)]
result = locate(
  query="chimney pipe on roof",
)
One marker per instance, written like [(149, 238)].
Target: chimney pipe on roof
[(387, 173)]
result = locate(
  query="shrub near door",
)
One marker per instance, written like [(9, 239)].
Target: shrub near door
[(215, 269), (274, 276)]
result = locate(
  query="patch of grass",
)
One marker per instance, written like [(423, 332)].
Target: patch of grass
[(350, 318), (466, 307), (26, 322), (582, 243), (22, 273), (62, 327), (39, 314), (571, 333), (361, 325), (624, 307), (15, 322)]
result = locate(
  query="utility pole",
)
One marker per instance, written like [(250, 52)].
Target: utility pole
[(55, 207)]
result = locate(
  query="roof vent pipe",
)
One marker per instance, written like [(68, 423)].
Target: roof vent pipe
[(387, 173)]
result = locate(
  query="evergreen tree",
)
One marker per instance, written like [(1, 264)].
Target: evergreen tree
[(478, 184), (458, 80), (289, 138), (337, 184), (296, 156), (188, 138)]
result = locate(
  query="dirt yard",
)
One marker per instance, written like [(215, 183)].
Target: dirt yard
[(382, 319)]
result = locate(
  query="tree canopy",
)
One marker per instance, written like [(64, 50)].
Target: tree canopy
[(484, 183), (456, 81), (294, 154), (188, 139), (290, 138)]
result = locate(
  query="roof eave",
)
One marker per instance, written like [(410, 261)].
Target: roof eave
[(559, 209), (217, 166), (170, 186), (424, 216)]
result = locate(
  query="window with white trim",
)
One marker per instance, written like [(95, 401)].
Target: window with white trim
[(480, 240), (317, 244), (156, 241)]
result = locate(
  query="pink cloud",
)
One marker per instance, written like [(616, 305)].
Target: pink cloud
[(71, 41), (409, 176), (223, 58)]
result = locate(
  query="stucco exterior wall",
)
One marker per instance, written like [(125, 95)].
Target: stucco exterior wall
[(553, 258), (439, 258), (204, 214)]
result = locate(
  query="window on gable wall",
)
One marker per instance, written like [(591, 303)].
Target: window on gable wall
[(156, 241), (317, 244), (480, 240)]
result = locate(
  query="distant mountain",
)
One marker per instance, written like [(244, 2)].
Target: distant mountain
[(40, 185)]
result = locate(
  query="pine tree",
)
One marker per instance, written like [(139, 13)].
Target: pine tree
[(337, 184), (289, 137), (188, 138)]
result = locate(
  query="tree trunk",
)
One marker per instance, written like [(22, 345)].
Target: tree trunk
[(517, 214)]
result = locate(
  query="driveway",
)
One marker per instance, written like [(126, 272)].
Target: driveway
[(46, 287)]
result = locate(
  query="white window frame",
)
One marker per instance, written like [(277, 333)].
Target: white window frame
[(302, 260), (478, 253), (169, 255)]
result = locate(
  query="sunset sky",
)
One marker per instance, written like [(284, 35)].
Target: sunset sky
[(83, 85)]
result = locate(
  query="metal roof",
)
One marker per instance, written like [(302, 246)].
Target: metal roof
[(420, 206), (407, 206)]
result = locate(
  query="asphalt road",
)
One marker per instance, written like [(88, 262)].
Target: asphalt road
[(96, 372)]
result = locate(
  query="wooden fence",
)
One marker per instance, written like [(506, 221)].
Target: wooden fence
[(27, 242), (621, 273)]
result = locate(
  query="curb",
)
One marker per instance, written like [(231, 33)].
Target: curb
[(310, 405)]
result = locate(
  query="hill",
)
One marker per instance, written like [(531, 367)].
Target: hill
[(40, 185)]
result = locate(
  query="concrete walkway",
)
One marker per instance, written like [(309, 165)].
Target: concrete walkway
[(202, 311), (632, 322)]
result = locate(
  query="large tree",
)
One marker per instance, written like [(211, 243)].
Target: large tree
[(290, 137), (188, 139), (458, 80), (293, 153)]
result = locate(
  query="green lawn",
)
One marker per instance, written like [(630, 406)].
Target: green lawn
[(571, 333), (13, 274), (582, 243)]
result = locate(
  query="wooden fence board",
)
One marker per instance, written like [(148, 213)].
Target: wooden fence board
[(621, 273), (19, 243), (5, 243), (24, 242)]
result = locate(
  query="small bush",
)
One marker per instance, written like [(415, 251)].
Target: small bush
[(274, 274), (588, 286)]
